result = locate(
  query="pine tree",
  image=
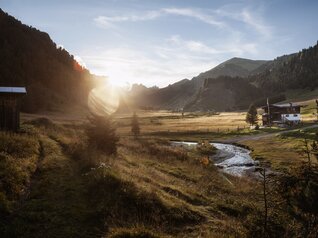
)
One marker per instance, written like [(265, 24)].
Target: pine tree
[(135, 129), (251, 116), (101, 134)]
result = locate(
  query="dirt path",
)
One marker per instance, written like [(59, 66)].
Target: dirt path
[(257, 137)]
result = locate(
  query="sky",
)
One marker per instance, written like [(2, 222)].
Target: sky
[(159, 42)]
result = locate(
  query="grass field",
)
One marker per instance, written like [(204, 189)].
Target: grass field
[(148, 188), (284, 151), (200, 126)]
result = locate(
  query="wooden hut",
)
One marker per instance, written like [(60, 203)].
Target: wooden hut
[(288, 113), (10, 107)]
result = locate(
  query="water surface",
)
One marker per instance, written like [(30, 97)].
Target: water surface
[(229, 158)]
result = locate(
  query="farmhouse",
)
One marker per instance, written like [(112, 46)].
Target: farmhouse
[(10, 107), (288, 114)]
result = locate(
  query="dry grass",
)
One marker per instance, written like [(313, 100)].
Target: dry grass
[(187, 183), (149, 184), (202, 201), (283, 151), (174, 122)]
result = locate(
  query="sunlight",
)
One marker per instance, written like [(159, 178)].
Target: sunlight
[(104, 100)]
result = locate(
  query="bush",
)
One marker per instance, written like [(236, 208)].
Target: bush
[(205, 148), (42, 122), (133, 233), (18, 157), (135, 128), (19, 146), (101, 134), (161, 149)]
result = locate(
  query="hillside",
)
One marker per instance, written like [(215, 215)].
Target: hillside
[(184, 92), (296, 71), (235, 67), (224, 93), (30, 58)]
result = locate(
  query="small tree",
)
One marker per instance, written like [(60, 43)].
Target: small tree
[(101, 134), (135, 129), (251, 116)]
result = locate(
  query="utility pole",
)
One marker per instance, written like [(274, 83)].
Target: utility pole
[(269, 113)]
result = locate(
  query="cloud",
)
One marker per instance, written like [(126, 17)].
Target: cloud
[(194, 13), (245, 15), (108, 22), (192, 45), (256, 23), (233, 45), (241, 32), (219, 18), (122, 65), (172, 60)]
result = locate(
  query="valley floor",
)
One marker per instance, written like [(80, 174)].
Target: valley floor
[(53, 185)]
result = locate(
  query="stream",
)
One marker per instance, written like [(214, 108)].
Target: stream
[(229, 158)]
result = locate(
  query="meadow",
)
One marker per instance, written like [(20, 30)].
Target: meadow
[(54, 184)]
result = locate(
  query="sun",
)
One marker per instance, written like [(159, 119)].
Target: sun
[(104, 100)]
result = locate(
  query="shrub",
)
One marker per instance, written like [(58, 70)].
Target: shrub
[(133, 233), (18, 146), (18, 157), (101, 134), (251, 115), (42, 122), (161, 149), (205, 148), (135, 129)]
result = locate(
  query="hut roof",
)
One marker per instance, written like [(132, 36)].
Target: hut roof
[(19, 90), (284, 105)]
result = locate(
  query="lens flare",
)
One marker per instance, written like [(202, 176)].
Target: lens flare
[(104, 100)]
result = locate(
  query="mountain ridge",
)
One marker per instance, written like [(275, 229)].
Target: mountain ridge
[(268, 78), (30, 58), (182, 93)]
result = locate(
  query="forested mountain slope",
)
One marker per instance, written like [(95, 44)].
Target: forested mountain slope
[(30, 58), (296, 71)]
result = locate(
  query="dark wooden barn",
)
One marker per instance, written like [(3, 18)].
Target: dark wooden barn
[(10, 107), (288, 113)]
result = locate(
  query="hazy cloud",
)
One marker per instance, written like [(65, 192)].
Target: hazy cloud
[(250, 17), (108, 21), (194, 13), (124, 64), (256, 23), (175, 57)]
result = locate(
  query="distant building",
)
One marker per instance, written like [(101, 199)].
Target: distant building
[(10, 107), (288, 113)]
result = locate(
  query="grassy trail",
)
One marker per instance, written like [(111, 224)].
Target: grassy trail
[(54, 206)]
